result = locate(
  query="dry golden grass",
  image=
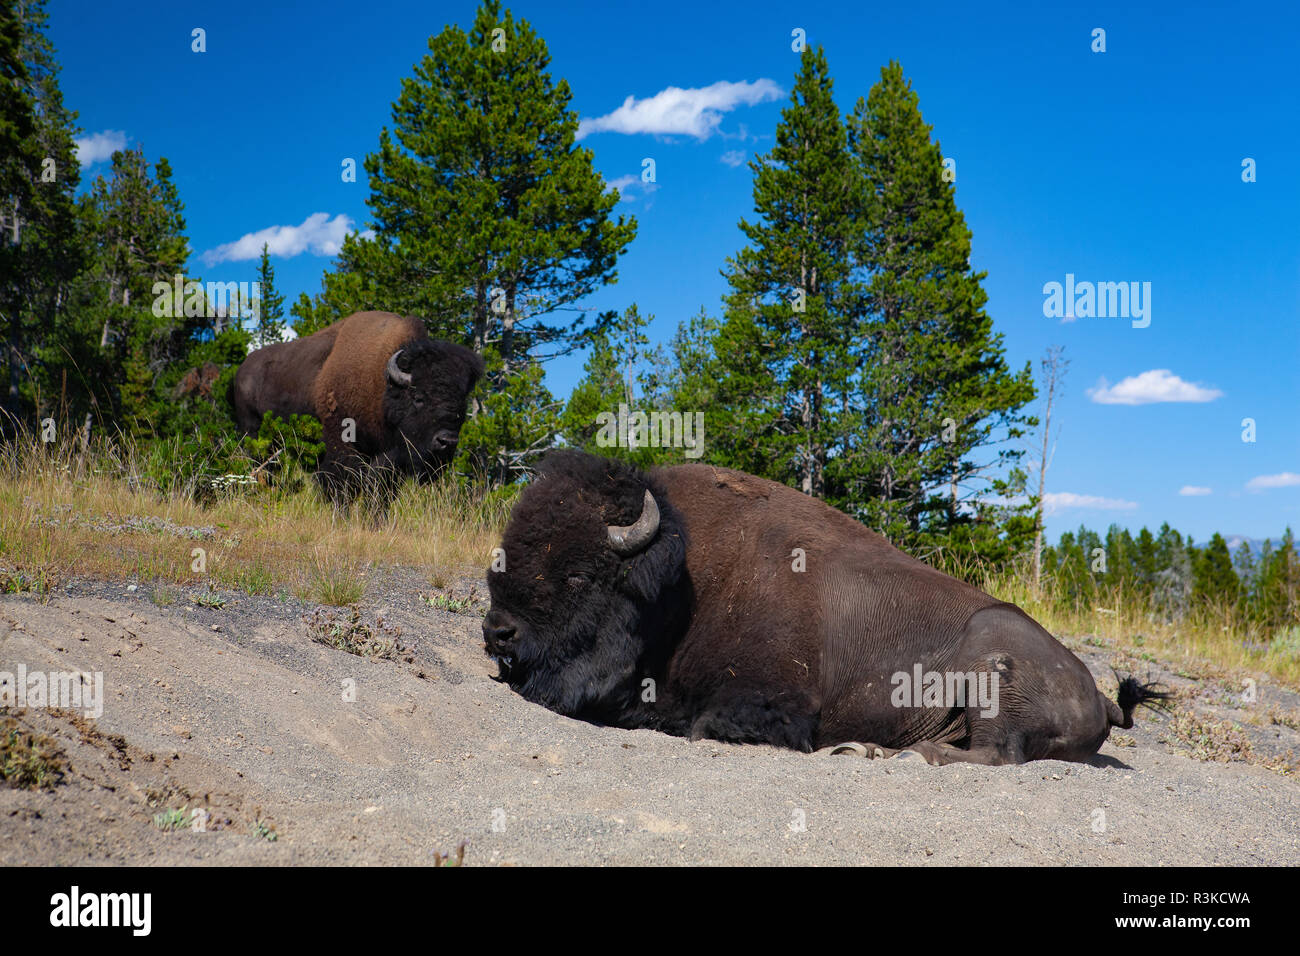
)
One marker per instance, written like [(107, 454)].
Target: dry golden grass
[(1204, 643), (65, 514), (61, 517)]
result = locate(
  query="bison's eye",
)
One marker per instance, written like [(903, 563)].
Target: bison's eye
[(577, 580)]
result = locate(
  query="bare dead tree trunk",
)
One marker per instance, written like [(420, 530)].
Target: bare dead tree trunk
[(1054, 366)]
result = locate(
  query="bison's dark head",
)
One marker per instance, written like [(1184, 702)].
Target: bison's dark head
[(428, 382), (587, 599)]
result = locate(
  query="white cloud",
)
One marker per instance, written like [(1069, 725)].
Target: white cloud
[(1284, 480), (733, 157), (628, 186), (1054, 501), (319, 234), (98, 147), (1157, 385), (674, 111), (1193, 491), (622, 184)]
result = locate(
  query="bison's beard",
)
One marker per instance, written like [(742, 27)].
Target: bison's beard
[(593, 675), (599, 669), (425, 467)]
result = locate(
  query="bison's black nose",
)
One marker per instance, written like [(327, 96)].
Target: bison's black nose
[(445, 439), (497, 636)]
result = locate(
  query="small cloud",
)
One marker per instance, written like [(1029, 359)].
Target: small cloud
[(1193, 491), (98, 147), (1286, 479), (733, 157), (622, 184), (1157, 385), (1054, 501), (628, 186), (675, 111), (319, 234)]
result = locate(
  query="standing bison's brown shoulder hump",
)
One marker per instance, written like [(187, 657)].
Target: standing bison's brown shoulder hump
[(351, 383)]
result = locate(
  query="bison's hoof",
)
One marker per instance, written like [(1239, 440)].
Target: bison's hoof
[(852, 747), (911, 755)]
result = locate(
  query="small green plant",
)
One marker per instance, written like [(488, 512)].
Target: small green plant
[(263, 831), (445, 602), (353, 635), (29, 760), (169, 821), (210, 599), (40, 581)]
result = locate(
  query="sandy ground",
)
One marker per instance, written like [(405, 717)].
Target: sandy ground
[(236, 710)]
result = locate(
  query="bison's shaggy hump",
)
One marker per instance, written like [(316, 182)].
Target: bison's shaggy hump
[(364, 341), (613, 488)]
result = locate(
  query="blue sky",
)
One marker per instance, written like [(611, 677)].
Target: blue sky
[(1122, 166)]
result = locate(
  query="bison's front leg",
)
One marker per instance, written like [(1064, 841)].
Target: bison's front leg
[(754, 715), (340, 476)]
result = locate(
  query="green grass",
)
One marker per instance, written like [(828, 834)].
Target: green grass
[(470, 604), (170, 821), (29, 760)]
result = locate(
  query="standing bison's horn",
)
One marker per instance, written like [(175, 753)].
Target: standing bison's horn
[(628, 539), (395, 374)]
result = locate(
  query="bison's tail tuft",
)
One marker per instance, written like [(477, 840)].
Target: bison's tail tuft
[(1134, 693)]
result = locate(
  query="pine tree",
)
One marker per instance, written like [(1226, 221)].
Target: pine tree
[(938, 407), (783, 356), (270, 305), (124, 337), (1276, 592), (1243, 561), (40, 245), (621, 376), (1216, 584)]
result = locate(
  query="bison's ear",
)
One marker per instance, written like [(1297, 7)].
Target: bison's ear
[(648, 574)]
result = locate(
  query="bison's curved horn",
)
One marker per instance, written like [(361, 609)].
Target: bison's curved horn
[(630, 538), (395, 374)]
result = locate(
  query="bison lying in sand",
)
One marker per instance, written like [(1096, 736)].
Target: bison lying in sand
[(705, 602), (391, 399)]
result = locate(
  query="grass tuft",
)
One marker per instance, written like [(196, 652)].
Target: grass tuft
[(29, 760)]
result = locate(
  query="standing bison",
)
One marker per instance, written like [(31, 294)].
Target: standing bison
[(391, 399), (705, 602)]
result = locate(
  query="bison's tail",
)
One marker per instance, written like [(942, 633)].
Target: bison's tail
[(1132, 693)]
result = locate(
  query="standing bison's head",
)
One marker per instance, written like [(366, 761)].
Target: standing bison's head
[(588, 597), (427, 383)]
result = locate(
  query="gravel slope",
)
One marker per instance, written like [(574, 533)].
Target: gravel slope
[(238, 711)]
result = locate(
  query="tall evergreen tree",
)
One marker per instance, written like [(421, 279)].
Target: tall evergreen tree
[(1276, 591), (1216, 582), (270, 305), (120, 345), (783, 353), (939, 408), (617, 377), (40, 246)]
